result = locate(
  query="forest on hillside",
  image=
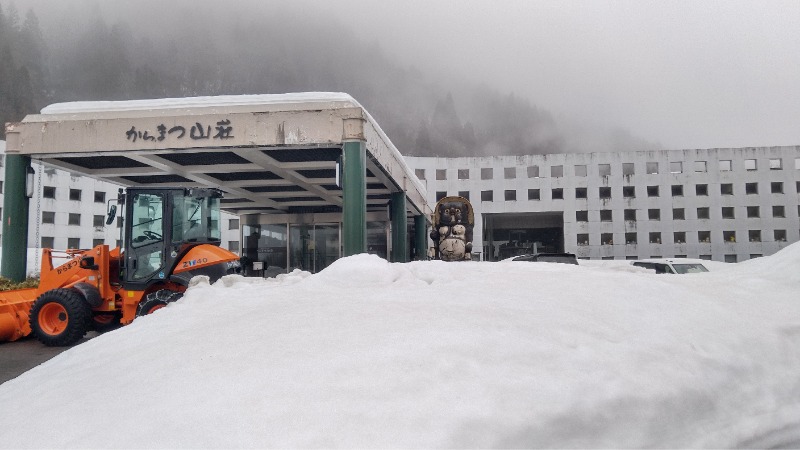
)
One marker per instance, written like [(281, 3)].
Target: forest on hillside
[(89, 58)]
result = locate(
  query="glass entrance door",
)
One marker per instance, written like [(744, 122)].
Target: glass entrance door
[(313, 247)]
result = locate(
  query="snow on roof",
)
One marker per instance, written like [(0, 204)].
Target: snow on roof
[(368, 353), (333, 98)]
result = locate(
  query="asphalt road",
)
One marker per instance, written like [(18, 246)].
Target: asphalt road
[(23, 355)]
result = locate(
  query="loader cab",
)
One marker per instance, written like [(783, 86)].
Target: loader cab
[(160, 226)]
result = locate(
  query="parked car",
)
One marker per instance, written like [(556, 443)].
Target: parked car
[(677, 265), (564, 258)]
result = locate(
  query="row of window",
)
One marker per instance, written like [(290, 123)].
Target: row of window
[(49, 242), (604, 192), (678, 237), (728, 212), (728, 258), (74, 194), (99, 220), (604, 170)]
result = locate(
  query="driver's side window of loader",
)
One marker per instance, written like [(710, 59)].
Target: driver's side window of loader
[(147, 224)]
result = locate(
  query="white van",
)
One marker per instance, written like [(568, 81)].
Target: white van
[(672, 265)]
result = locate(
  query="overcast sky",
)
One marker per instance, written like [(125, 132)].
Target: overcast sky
[(684, 74), (687, 74)]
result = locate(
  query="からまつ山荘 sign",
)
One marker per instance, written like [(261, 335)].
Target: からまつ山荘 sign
[(222, 130)]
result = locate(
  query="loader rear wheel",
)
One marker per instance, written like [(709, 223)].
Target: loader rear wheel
[(60, 317), (156, 300)]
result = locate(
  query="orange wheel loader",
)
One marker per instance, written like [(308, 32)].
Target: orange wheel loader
[(169, 235)]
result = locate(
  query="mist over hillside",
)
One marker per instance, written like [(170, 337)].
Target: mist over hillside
[(120, 51)]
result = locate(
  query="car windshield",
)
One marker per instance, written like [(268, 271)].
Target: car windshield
[(689, 268), (558, 259)]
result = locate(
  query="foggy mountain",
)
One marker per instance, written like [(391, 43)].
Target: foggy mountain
[(81, 51)]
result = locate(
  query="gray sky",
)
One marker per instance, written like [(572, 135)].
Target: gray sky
[(687, 74)]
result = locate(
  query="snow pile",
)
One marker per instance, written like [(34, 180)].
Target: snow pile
[(432, 354)]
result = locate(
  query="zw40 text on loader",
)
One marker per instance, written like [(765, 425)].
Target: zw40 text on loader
[(169, 235)]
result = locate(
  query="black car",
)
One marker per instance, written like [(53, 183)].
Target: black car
[(564, 258)]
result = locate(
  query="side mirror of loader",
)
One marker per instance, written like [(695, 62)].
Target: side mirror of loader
[(112, 213)]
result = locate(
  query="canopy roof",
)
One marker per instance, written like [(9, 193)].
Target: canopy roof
[(269, 153)]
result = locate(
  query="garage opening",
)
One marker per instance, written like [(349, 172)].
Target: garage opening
[(511, 234)]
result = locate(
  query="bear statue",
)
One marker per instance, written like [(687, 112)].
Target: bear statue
[(453, 222)]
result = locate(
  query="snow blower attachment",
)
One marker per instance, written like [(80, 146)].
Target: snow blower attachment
[(169, 235)]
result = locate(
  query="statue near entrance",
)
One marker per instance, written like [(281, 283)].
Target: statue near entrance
[(453, 222)]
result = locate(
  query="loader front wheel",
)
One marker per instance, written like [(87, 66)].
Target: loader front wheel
[(156, 300), (60, 317)]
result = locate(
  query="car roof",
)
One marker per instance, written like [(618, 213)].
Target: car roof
[(671, 260)]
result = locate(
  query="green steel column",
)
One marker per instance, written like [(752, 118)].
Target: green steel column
[(421, 236), (15, 219), (399, 227), (354, 198)]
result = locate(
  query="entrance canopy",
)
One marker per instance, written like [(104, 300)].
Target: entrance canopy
[(270, 154)]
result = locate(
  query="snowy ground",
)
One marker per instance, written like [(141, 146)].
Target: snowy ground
[(432, 354)]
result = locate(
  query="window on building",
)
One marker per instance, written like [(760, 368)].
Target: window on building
[(534, 194), (750, 164), (98, 220), (724, 165), (753, 211), (96, 242), (119, 223), (703, 213), (99, 197), (706, 257), (581, 192), (655, 237), (751, 188), (726, 189), (652, 191), (48, 242), (558, 194), (74, 219), (75, 194), (420, 173), (701, 190), (627, 169), (730, 258), (583, 239), (727, 212), (606, 238), (487, 196), (48, 217), (704, 237), (677, 190), (797, 187), (463, 174), (487, 173), (652, 167), (233, 246), (775, 164), (778, 211), (440, 195), (511, 195), (678, 214), (464, 194), (780, 235), (73, 242), (776, 187), (754, 235), (233, 224), (605, 215), (48, 192), (629, 191), (729, 236), (755, 255), (441, 174), (581, 216), (580, 170), (510, 173), (533, 171), (557, 171), (118, 243), (676, 167), (700, 166), (605, 192), (679, 237), (630, 238), (629, 215), (797, 164), (654, 214), (604, 170)]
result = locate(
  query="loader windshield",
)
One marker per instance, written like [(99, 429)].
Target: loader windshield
[(195, 218)]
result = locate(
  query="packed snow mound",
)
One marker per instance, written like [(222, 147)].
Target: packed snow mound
[(433, 354)]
